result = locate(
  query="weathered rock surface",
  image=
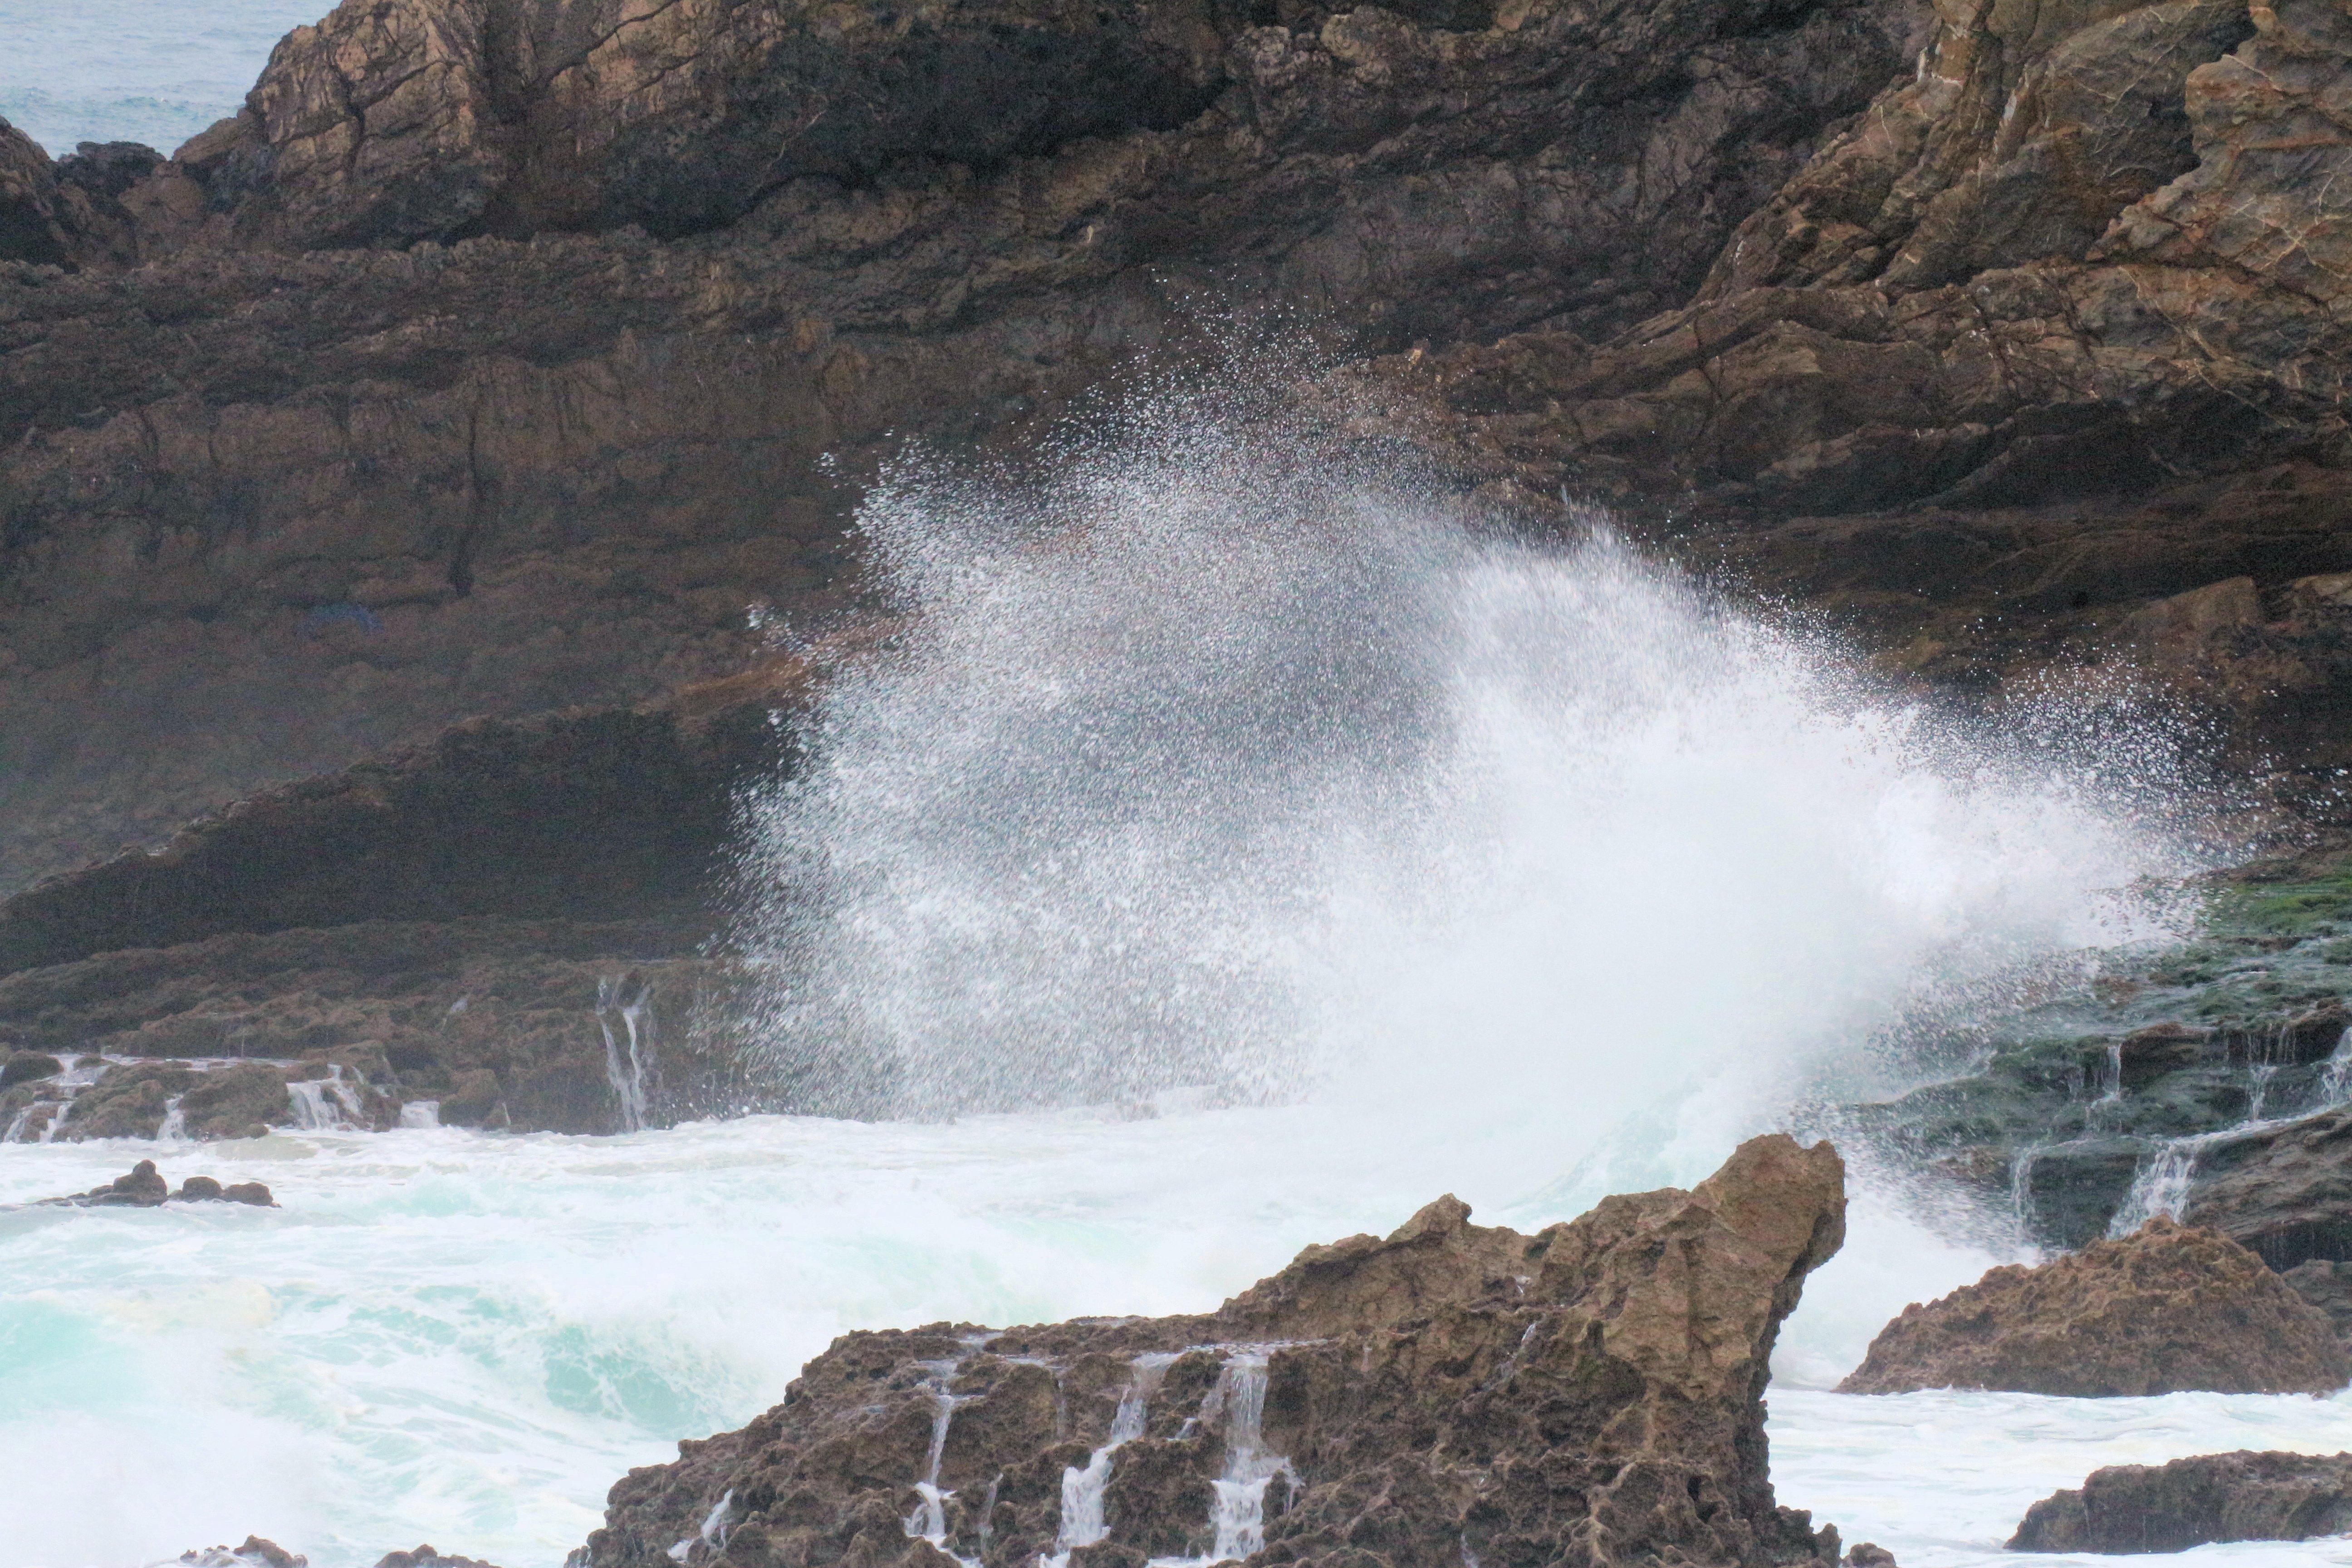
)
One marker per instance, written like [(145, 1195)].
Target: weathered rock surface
[(537, 894), (2167, 1309), (550, 429), (144, 1187), (1592, 1394), (426, 1557), (2327, 1284), (256, 1552), (2285, 1192), (2243, 1496)]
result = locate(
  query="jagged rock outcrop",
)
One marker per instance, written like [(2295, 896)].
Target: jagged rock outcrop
[(2327, 1284), (2165, 1310), (1591, 1393), (2243, 1496)]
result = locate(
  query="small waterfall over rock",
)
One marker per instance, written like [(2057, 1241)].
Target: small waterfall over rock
[(328, 1104), (1082, 1489), (1237, 1513), (628, 1054)]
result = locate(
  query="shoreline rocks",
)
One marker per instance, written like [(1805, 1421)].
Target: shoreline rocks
[(144, 1187), (1450, 1391), (2242, 1496), (2165, 1310)]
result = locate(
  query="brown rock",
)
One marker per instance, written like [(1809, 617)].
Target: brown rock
[(2243, 1496), (2165, 1310), (29, 1066), (254, 1193), (223, 1103), (2326, 1284), (255, 1552), (1449, 1385), (426, 1557), (198, 1189), (2285, 1191)]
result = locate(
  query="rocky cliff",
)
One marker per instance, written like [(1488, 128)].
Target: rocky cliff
[(505, 357), (1592, 1394)]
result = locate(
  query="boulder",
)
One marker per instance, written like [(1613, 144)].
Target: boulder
[(144, 1187), (1449, 1393), (29, 1066), (426, 1557), (2243, 1496), (225, 1102), (2167, 1309)]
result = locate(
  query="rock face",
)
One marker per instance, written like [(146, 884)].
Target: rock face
[(1591, 1393), (2165, 1310), (2242, 1496), (537, 894), (487, 361), (2285, 1192)]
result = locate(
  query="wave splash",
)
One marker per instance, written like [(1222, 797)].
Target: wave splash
[(1222, 750)]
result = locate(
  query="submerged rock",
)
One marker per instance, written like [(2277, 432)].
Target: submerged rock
[(144, 1187), (256, 1552), (2243, 1496), (2165, 1310), (1452, 1394), (426, 1557)]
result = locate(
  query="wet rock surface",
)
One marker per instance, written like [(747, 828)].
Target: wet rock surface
[(2166, 1310), (2202, 1083), (426, 1557), (1591, 1393), (256, 1552), (2191, 1502), (144, 1187)]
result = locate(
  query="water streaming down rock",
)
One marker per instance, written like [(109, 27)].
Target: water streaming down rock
[(1237, 1519), (1083, 1486), (327, 1104), (627, 1054)]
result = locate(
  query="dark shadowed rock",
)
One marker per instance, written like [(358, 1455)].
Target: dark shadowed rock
[(2243, 1496), (2327, 1284), (29, 1066), (2167, 1309), (1450, 1388), (2285, 1192)]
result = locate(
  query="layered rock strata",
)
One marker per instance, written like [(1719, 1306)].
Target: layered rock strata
[(492, 358), (2243, 1496), (2165, 1310), (1592, 1394)]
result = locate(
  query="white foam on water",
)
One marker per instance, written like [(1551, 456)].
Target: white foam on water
[(156, 71), (1941, 1479), (468, 1338)]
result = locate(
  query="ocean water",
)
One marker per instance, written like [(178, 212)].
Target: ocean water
[(465, 1339), (156, 71)]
